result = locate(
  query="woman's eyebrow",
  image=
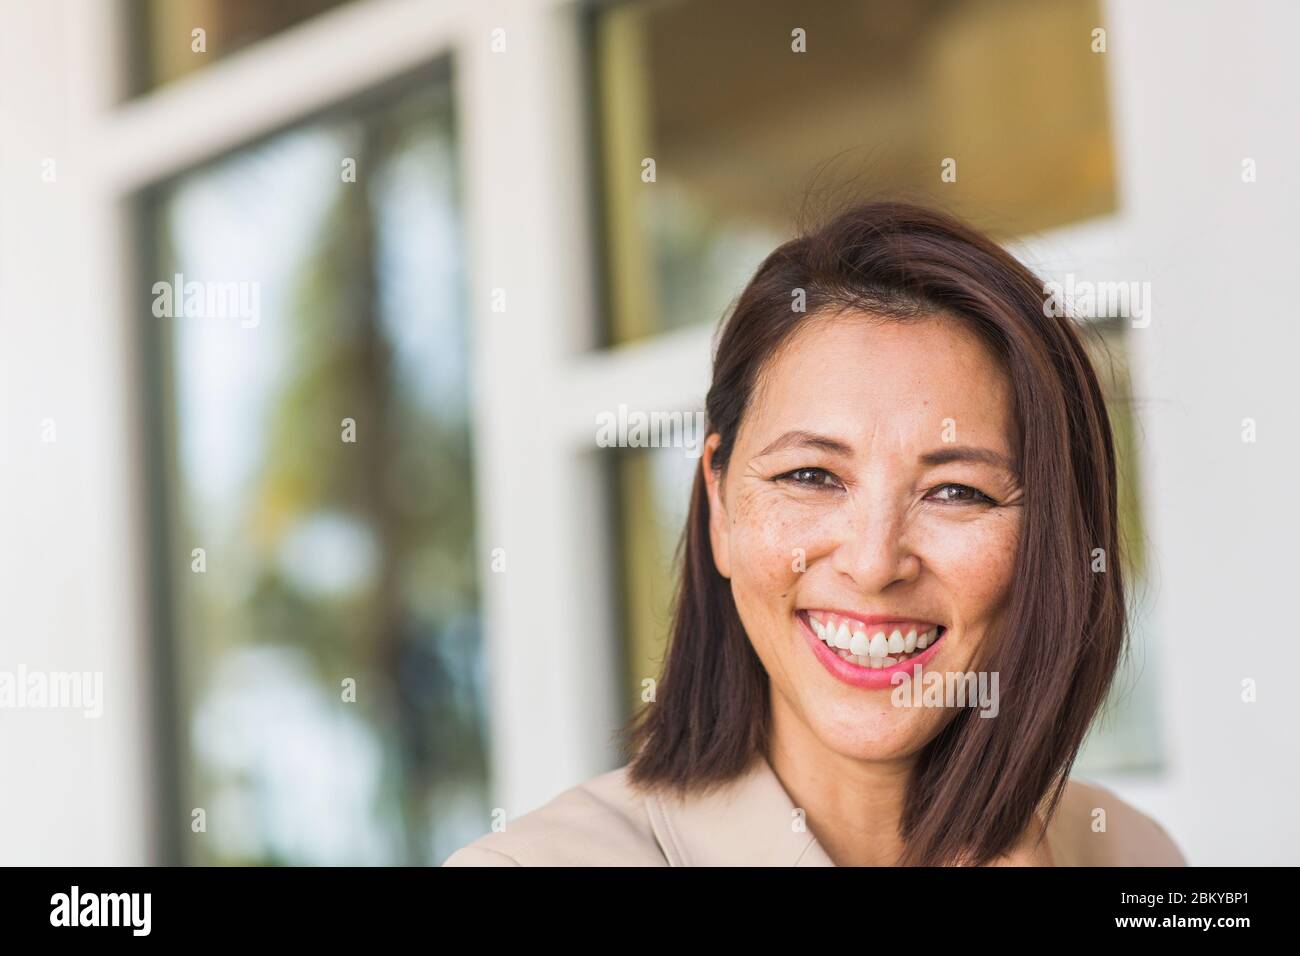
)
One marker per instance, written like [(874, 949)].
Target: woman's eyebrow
[(803, 439), (940, 456), (950, 453)]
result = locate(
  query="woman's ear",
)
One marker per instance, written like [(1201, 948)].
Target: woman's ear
[(719, 526)]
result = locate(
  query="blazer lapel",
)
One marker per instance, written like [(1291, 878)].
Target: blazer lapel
[(749, 821)]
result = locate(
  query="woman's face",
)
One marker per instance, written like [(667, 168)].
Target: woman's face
[(869, 492)]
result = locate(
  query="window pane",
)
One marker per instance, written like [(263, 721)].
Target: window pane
[(746, 134), (167, 46), (317, 451), (653, 491), (1127, 736)]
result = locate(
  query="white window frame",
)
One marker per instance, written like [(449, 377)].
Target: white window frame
[(552, 669)]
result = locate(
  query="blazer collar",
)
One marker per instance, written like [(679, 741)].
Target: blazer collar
[(750, 821)]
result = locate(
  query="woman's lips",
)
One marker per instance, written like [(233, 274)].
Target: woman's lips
[(867, 676)]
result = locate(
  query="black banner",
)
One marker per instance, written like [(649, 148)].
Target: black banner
[(441, 905)]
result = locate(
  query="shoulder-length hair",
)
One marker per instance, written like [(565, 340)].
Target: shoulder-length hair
[(975, 787)]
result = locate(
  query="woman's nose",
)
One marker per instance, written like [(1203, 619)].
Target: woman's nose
[(873, 550)]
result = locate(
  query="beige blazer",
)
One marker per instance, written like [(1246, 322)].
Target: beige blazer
[(604, 822)]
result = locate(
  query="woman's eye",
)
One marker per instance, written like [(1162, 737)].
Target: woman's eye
[(960, 494), (809, 477)]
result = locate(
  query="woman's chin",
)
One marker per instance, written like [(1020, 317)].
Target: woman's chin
[(870, 740)]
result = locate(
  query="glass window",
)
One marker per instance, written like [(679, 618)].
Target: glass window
[(747, 135), (308, 321), (176, 37), (653, 488), (1126, 737)]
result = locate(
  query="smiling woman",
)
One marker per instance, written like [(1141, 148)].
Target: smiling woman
[(911, 477)]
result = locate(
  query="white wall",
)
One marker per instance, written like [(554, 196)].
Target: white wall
[(1199, 86), (76, 789)]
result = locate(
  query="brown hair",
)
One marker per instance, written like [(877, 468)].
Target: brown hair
[(976, 785)]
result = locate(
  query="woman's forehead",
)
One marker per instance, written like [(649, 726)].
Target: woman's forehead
[(904, 378)]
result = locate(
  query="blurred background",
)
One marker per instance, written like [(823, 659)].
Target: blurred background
[(349, 643)]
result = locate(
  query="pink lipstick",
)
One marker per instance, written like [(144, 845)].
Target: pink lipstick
[(858, 675)]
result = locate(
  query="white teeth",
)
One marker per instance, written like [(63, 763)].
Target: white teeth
[(866, 660), (883, 649), (843, 638)]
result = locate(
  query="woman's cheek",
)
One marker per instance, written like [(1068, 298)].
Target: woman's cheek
[(773, 540), (976, 560)]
